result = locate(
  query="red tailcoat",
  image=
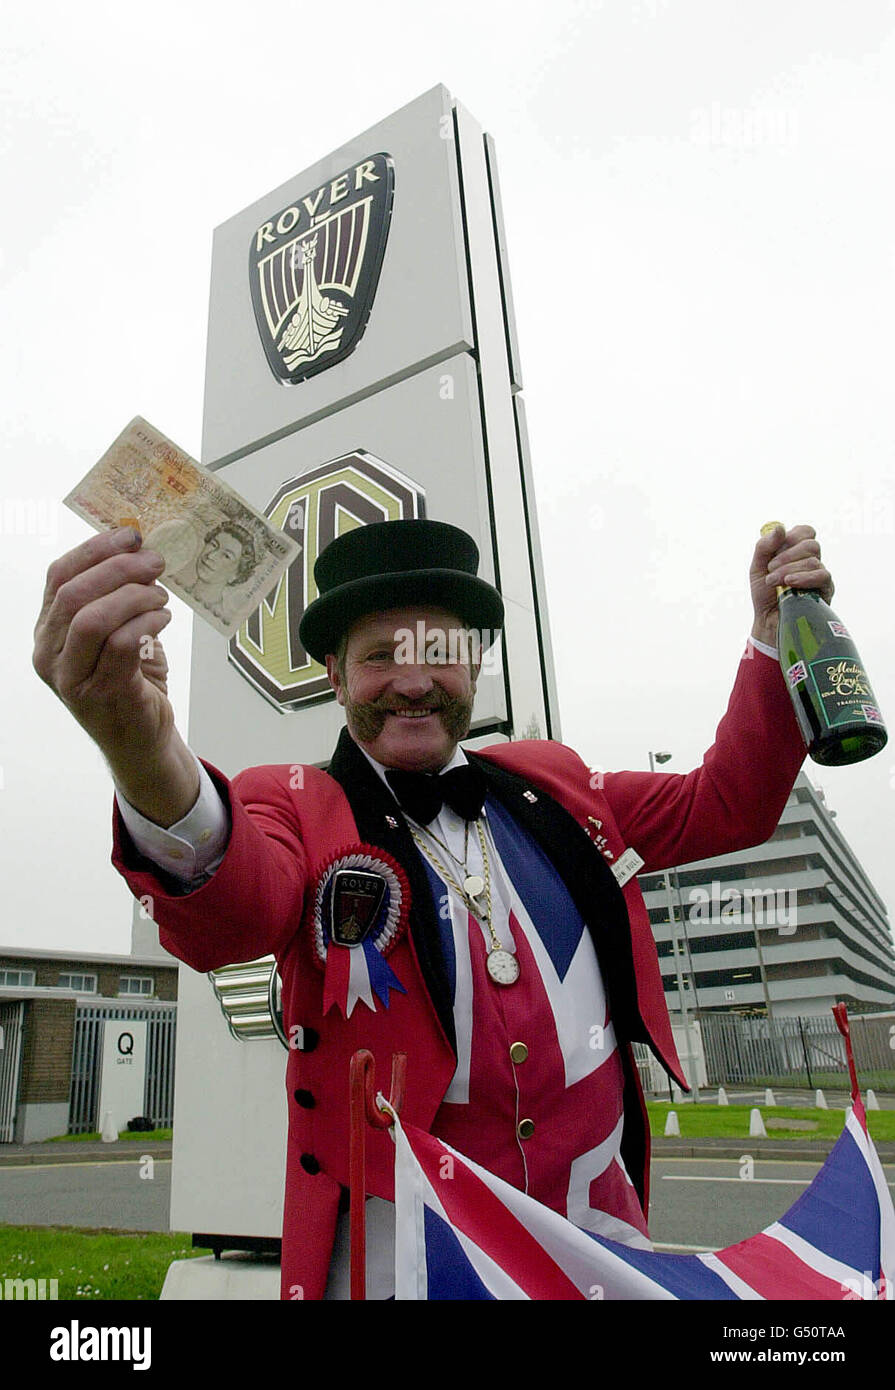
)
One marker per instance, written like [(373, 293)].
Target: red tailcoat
[(260, 901)]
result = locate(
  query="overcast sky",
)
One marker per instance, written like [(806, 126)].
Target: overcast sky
[(716, 352)]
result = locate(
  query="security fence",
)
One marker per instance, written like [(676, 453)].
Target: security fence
[(11, 1016), (797, 1051), (158, 1093)]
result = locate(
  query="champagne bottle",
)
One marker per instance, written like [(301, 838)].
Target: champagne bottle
[(832, 697)]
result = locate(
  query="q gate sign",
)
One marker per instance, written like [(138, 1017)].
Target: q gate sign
[(362, 366), (123, 1071)]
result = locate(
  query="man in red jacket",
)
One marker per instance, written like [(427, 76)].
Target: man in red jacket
[(487, 921)]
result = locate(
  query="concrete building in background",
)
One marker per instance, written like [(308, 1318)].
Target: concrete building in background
[(53, 1008), (790, 927)]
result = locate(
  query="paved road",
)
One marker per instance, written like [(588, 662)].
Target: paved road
[(89, 1193), (710, 1197), (705, 1203)]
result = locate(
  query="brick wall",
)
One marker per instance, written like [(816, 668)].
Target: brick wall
[(108, 976), (46, 1052)]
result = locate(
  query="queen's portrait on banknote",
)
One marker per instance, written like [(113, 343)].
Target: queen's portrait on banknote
[(226, 561)]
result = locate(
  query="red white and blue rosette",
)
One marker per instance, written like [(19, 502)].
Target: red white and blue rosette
[(360, 972)]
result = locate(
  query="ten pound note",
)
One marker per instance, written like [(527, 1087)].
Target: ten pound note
[(221, 556)]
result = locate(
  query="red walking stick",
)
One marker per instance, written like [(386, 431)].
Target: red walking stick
[(363, 1110), (840, 1013)]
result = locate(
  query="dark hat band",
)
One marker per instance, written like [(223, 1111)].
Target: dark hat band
[(473, 601), (398, 564)]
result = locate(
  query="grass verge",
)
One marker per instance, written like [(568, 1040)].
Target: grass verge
[(732, 1121), (140, 1136), (93, 1265), (828, 1081)]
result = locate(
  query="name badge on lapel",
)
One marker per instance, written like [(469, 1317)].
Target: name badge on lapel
[(361, 906), (626, 866)]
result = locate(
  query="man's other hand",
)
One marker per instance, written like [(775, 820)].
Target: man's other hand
[(793, 559)]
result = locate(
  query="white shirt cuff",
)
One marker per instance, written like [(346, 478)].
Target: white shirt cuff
[(763, 647), (192, 846)]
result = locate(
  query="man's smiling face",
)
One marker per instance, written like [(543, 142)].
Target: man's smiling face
[(406, 713)]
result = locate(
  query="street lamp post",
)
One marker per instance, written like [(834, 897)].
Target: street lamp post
[(682, 1003), (680, 908), (761, 970)]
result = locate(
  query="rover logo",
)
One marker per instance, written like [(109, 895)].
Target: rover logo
[(313, 508), (314, 267), (355, 900)]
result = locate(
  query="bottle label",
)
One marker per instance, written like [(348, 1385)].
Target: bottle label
[(844, 692), (797, 673), (839, 630)]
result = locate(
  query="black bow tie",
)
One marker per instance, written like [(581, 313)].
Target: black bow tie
[(422, 794)]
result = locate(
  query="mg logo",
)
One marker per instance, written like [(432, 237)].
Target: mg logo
[(313, 508)]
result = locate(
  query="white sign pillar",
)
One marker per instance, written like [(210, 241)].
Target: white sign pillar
[(123, 1074), (362, 366)]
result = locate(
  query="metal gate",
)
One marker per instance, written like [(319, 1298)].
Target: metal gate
[(158, 1093), (12, 1014), (794, 1050)]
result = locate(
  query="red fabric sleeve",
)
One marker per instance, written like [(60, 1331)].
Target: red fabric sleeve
[(253, 903), (736, 797)]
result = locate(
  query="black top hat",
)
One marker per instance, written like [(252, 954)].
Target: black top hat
[(396, 564)]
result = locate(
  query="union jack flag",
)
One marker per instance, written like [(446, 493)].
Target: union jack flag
[(462, 1233)]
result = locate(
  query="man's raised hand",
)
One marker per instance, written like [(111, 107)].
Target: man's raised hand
[(791, 558), (95, 645)]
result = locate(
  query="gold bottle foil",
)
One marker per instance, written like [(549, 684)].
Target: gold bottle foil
[(766, 530)]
